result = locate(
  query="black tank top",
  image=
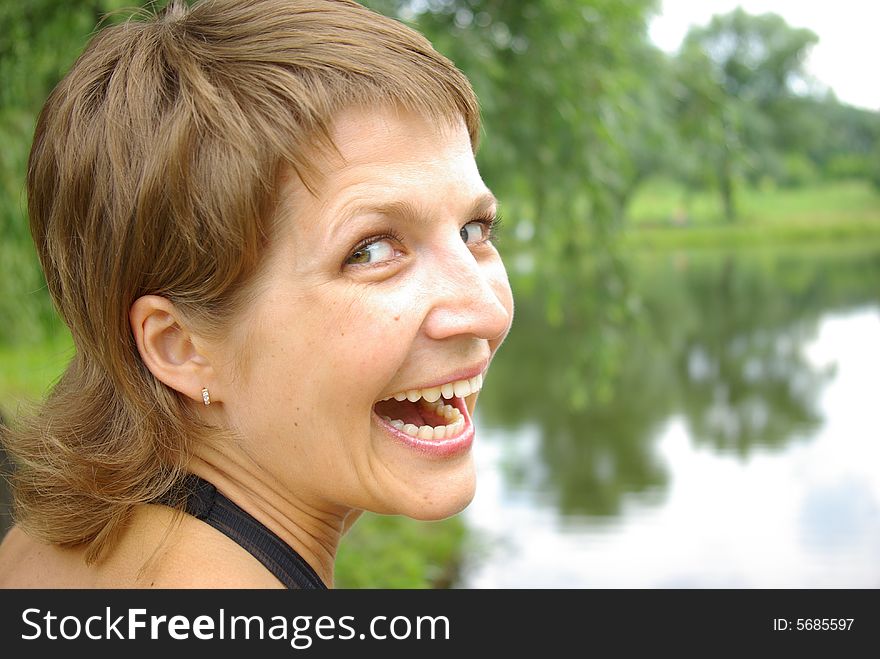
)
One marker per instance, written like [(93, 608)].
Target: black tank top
[(204, 502)]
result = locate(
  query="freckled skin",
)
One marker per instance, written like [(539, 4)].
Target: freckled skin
[(329, 340)]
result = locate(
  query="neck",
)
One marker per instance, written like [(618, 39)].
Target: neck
[(310, 528)]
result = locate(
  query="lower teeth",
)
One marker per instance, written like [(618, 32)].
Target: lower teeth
[(428, 432)]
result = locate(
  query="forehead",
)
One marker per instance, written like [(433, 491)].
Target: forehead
[(389, 134), (386, 156)]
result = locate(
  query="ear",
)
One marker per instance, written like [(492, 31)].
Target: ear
[(169, 349)]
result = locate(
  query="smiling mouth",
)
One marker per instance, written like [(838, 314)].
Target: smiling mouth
[(431, 414)]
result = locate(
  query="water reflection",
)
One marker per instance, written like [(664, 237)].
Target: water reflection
[(715, 368), (739, 367)]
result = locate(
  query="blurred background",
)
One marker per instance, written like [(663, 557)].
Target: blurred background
[(691, 223)]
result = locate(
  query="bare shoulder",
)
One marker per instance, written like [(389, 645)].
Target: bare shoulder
[(28, 563), (157, 549), (11, 549), (191, 554)]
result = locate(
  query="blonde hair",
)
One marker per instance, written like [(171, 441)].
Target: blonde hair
[(154, 170)]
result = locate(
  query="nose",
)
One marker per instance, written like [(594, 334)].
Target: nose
[(468, 296)]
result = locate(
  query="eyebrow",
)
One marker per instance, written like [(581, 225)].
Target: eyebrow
[(412, 212)]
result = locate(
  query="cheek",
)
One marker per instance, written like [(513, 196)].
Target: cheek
[(350, 340), (373, 331)]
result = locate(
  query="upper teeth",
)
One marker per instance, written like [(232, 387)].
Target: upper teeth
[(459, 389)]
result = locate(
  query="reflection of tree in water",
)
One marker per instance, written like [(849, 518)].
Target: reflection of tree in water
[(564, 376), (719, 340), (753, 391), (742, 378), (738, 346)]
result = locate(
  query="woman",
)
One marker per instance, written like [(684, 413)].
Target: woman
[(263, 223)]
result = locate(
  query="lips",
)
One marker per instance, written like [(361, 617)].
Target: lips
[(434, 418), (458, 442), (423, 419)]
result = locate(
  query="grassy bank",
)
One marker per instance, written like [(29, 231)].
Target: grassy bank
[(664, 215), (395, 552)]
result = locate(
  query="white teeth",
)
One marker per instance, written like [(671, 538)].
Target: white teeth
[(429, 432), (430, 400), (459, 388), (462, 388), (431, 395), (449, 412)]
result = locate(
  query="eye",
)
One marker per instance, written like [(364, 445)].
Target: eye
[(473, 232), (374, 250)]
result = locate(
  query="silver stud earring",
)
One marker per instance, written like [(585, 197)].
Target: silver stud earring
[(206, 397)]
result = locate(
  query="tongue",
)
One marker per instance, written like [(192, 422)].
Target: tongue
[(401, 409)]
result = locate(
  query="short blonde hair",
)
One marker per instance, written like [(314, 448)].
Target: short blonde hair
[(154, 170)]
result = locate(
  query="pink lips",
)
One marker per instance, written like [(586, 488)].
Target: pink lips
[(441, 448)]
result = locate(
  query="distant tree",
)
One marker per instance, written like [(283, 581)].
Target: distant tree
[(644, 124), (739, 82), (706, 123), (846, 146)]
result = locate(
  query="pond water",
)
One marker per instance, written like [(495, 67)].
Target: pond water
[(739, 445)]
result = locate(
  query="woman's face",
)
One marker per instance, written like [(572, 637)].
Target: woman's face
[(381, 283)]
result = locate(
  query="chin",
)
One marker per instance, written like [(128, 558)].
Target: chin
[(440, 497)]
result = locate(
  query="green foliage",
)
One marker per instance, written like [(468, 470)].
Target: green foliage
[(798, 171), (383, 551), (874, 171), (849, 166), (757, 59), (736, 90)]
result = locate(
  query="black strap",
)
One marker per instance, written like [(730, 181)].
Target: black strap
[(206, 503)]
